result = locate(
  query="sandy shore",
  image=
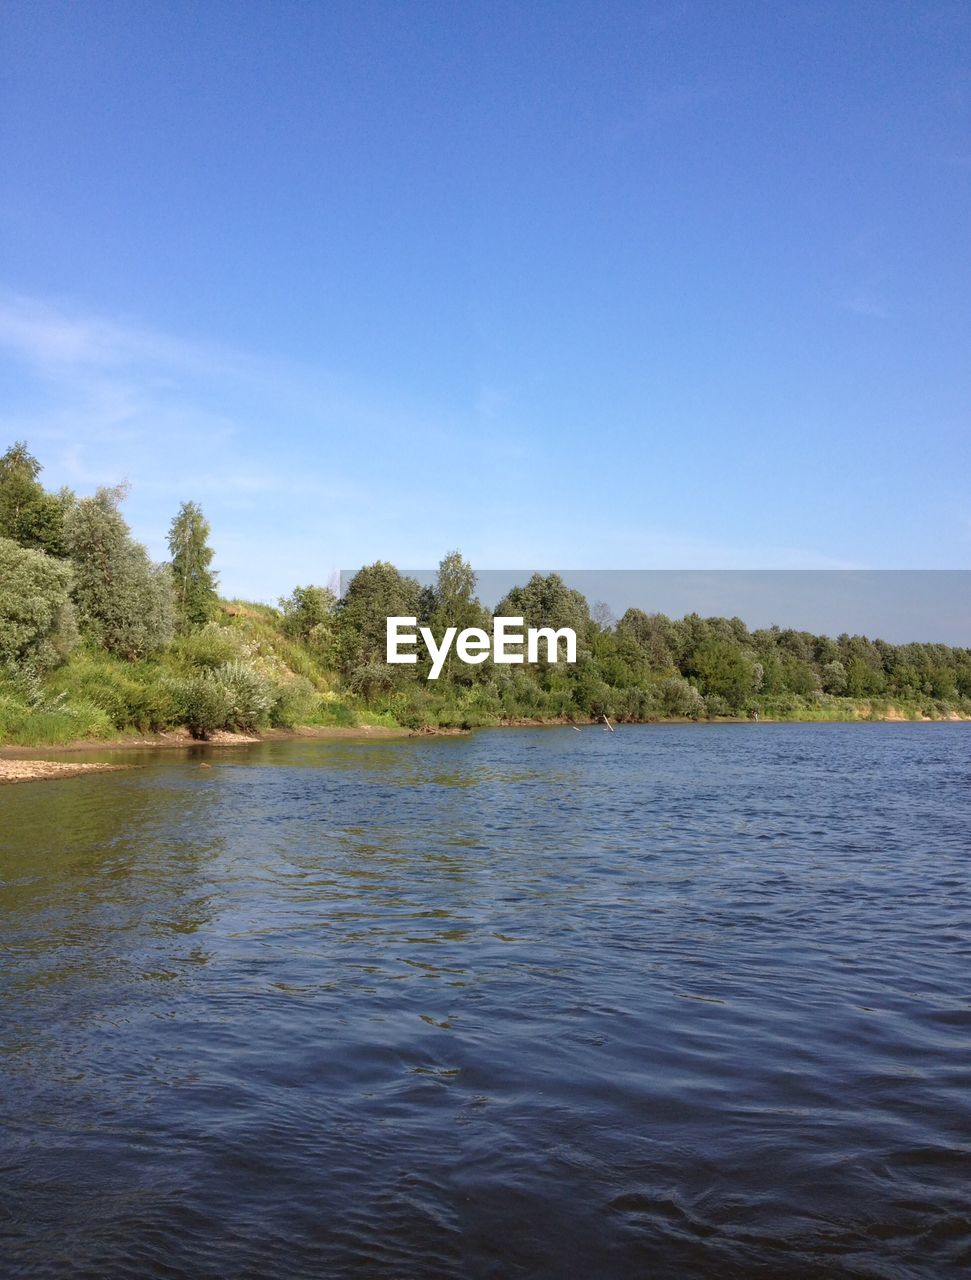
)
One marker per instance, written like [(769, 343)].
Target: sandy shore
[(21, 764), (46, 770)]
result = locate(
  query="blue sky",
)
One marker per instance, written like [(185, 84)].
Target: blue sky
[(582, 285)]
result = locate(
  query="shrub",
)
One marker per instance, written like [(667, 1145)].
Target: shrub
[(234, 696), (210, 647), (293, 703), (251, 694), (153, 706), (308, 615), (411, 714), (372, 679), (716, 705), (36, 620), (204, 704), (331, 711), (679, 698)]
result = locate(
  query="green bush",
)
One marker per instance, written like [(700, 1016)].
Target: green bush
[(716, 705), (294, 702), (204, 704), (251, 695), (36, 619), (234, 696), (210, 647), (124, 602), (679, 698), (153, 707), (132, 694)]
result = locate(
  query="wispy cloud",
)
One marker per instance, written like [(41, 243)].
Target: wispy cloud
[(58, 337), (296, 460), (866, 304), (301, 472)]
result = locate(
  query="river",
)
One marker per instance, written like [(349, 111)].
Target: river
[(677, 1001)]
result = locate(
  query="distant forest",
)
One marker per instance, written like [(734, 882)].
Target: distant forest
[(96, 639)]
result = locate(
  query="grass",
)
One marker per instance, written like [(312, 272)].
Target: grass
[(22, 725), (95, 695)]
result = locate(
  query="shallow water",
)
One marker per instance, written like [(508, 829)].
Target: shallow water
[(677, 1001)]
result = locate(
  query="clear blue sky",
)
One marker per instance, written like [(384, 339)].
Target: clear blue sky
[(570, 284)]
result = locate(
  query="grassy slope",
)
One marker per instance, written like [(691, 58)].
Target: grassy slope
[(97, 696)]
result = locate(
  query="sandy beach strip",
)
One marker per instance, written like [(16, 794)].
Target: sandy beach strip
[(43, 770)]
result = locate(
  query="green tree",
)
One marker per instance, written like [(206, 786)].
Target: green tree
[(36, 619), (29, 515), (308, 615), (195, 582), (548, 602), (375, 593), (124, 601), (834, 677), (862, 678), (723, 669), (647, 635), (454, 585), (454, 604)]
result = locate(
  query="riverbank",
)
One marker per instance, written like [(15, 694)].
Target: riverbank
[(49, 770), (864, 714), (181, 738), (27, 763)]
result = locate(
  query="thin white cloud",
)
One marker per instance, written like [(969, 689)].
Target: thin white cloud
[(866, 304), (55, 338), (301, 473)]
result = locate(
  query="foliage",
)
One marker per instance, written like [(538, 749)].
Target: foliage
[(204, 702), (319, 661), (21, 725), (725, 671), (36, 618), (132, 695), (679, 698), (194, 581), (124, 602), (308, 616), (31, 713), (28, 515), (548, 602), (295, 702), (211, 646), (374, 594), (452, 603), (251, 695)]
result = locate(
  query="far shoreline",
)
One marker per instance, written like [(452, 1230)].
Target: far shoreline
[(14, 756)]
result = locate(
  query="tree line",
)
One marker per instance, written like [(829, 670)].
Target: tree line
[(69, 566), (86, 613), (645, 666)]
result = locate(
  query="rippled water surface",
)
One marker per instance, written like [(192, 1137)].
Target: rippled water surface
[(677, 1001)]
